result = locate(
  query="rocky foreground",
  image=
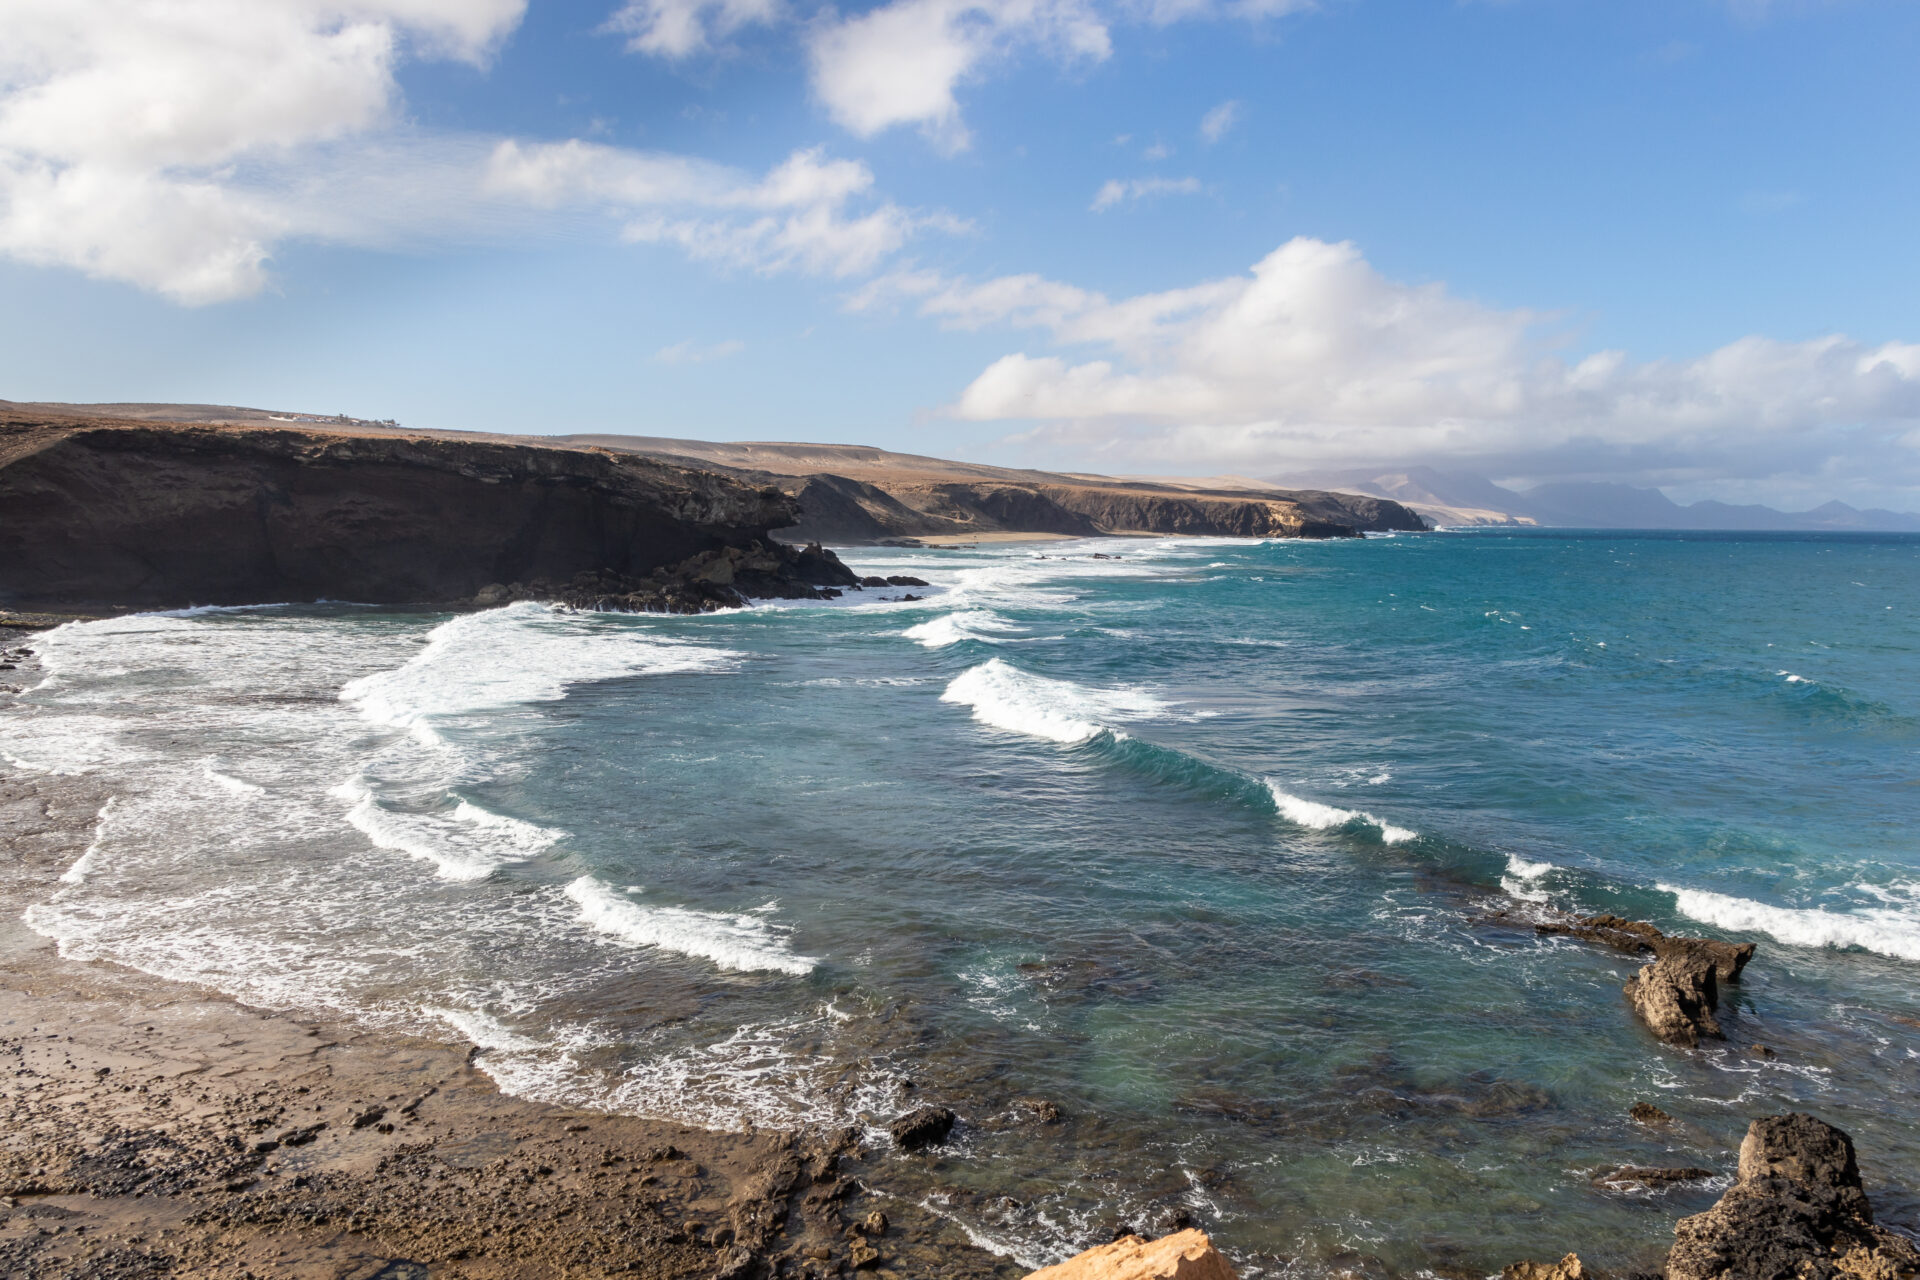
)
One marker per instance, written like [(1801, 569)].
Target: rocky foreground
[(1795, 1212)]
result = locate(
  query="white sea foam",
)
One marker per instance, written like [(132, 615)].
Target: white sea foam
[(1792, 678), (1523, 877), (483, 1030), (1325, 817), (743, 942), (83, 865), (1005, 697), (1889, 931), (522, 653), (464, 843), (226, 782), (952, 628)]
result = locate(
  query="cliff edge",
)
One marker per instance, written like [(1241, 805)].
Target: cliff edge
[(125, 514)]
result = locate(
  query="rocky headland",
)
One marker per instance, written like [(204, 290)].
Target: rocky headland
[(113, 514)]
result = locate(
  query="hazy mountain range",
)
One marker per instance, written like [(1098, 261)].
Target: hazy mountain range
[(1456, 498)]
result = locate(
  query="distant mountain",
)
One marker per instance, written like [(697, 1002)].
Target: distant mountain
[(1455, 498)]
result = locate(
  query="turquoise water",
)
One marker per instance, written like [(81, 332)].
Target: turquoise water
[(1229, 849)]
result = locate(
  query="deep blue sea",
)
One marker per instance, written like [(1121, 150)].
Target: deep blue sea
[(1228, 849)]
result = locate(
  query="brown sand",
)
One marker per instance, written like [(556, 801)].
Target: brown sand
[(154, 1129)]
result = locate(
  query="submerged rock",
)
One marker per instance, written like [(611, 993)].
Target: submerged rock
[(922, 1127), (1184, 1255), (1647, 1113), (1797, 1213)]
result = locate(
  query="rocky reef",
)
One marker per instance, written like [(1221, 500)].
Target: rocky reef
[(725, 578), (115, 514), (1796, 1212), (1678, 994)]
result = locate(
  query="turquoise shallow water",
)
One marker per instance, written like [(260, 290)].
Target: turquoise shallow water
[(1226, 848)]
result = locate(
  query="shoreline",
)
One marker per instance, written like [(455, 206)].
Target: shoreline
[(157, 1128)]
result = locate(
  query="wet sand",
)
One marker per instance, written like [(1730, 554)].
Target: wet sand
[(155, 1129)]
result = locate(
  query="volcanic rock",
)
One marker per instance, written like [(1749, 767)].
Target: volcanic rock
[(1676, 995), (1797, 1213), (1647, 1113), (1184, 1255), (116, 513), (1676, 1001), (922, 1127)]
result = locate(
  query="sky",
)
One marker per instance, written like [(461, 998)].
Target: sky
[(1668, 242)]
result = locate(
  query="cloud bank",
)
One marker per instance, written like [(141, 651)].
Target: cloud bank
[(174, 145), (1315, 357)]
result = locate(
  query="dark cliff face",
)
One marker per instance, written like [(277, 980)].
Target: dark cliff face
[(105, 513)]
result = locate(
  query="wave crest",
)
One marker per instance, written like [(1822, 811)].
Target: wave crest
[(741, 942), (1005, 697)]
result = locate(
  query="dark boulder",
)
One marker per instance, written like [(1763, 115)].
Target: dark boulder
[(922, 1127), (1797, 1213)]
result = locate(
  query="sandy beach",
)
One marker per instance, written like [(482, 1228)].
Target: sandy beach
[(154, 1129)]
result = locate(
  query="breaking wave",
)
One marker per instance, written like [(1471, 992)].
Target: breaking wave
[(1889, 931), (1005, 697), (952, 628), (741, 942)]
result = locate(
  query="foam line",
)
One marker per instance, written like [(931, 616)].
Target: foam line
[(467, 843), (83, 865), (740, 942), (1887, 931)]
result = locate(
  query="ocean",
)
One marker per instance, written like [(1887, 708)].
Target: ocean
[(1229, 850)]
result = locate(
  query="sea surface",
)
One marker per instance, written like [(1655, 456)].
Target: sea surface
[(1228, 849)]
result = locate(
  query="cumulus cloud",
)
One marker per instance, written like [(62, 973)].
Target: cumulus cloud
[(1314, 356), (1116, 191), (680, 28), (1218, 122), (900, 63), (122, 124), (174, 144)]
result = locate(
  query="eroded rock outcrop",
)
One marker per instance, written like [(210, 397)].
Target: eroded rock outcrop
[(1678, 994), (100, 512), (1184, 1255), (725, 578), (1797, 1212)]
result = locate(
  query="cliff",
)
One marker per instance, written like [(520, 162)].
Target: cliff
[(118, 513), (852, 493)]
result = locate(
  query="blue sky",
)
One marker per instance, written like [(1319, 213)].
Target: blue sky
[(1668, 242)]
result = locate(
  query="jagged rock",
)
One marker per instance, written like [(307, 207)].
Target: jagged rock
[(1647, 1113), (1727, 958), (922, 1127), (1676, 995), (1797, 1212), (1184, 1255), (1676, 1000), (1568, 1268)]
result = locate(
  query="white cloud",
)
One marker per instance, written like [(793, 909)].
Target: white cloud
[(900, 63), (122, 123), (691, 352), (1316, 357), (1216, 123), (1116, 191), (174, 144), (681, 28), (800, 216)]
